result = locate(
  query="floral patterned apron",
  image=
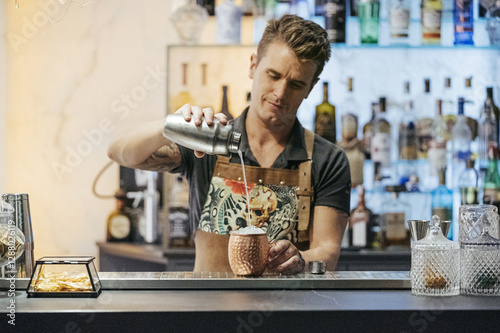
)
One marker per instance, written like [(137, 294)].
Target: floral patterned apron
[(280, 199)]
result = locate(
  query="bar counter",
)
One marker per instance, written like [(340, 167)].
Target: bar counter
[(300, 307)]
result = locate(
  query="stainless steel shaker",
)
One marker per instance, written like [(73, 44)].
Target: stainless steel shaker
[(22, 218), (214, 139)]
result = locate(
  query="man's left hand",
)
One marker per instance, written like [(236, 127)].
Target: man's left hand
[(285, 258)]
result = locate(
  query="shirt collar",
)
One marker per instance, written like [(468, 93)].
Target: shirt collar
[(295, 149)]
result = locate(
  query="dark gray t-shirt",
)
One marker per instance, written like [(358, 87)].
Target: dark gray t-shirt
[(331, 178)]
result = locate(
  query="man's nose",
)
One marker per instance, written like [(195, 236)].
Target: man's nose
[(280, 89)]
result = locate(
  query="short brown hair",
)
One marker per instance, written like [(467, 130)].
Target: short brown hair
[(306, 39)]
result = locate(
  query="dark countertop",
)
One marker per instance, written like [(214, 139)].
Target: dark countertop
[(254, 311)]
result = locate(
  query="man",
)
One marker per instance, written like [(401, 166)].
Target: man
[(299, 183)]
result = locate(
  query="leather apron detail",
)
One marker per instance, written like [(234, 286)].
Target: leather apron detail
[(280, 199)]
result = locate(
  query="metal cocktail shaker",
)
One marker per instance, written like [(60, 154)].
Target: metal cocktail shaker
[(214, 139), (22, 218)]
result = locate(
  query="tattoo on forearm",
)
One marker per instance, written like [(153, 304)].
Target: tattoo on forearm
[(166, 158)]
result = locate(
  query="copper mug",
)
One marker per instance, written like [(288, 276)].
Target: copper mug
[(248, 253)]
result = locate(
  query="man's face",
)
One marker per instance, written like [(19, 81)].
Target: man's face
[(280, 83)]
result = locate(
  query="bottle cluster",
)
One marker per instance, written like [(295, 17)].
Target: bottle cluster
[(415, 158)]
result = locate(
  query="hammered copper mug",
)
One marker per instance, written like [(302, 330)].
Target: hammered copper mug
[(248, 253)]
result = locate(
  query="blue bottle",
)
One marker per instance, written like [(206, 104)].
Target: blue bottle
[(463, 20)]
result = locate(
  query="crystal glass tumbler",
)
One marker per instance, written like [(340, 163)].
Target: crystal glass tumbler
[(472, 217), (435, 264)]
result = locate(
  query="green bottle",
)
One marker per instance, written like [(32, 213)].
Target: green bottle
[(324, 122), (491, 188)]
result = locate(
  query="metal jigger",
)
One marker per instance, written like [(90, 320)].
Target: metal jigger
[(22, 217), (420, 228)]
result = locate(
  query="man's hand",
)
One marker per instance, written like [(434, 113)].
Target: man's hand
[(197, 114), (285, 258)]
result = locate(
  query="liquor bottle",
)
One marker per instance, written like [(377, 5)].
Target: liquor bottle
[(468, 184), (431, 13), (119, 226), (399, 20), (448, 98), (225, 108), (461, 139), (178, 216), (189, 21), (491, 185), (442, 201), (348, 110), (488, 133), (324, 122), (463, 20), (381, 139), (228, 16), (424, 108), (349, 142), (407, 129), (437, 146), (395, 214), (209, 5), (368, 132), (469, 97), (360, 222), (369, 17), (335, 20), (490, 103), (183, 97)]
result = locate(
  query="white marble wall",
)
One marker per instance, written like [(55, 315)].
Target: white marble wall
[(70, 87)]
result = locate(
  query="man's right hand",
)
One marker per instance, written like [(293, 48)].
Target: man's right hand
[(197, 114)]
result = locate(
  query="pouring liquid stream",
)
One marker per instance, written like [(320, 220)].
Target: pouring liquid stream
[(249, 221)]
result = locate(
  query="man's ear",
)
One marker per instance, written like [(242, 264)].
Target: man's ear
[(253, 65)]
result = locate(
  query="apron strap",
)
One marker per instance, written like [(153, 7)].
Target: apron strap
[(305, 192)]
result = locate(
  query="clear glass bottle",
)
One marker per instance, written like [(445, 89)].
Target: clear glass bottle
[(424, 109), (468, 184), (189, 21), (229, 17), (380, 148), (435, 264), (360, 222), (488, 134), (399, 20), (349, 114), (324, 121), (463, 21), (437, 146), (407, 129), (461, 139), (442, 202), (431, 14), (369, 17), (368, 131), (394, 216)]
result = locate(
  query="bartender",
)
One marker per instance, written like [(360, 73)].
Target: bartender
[(298, 183)]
